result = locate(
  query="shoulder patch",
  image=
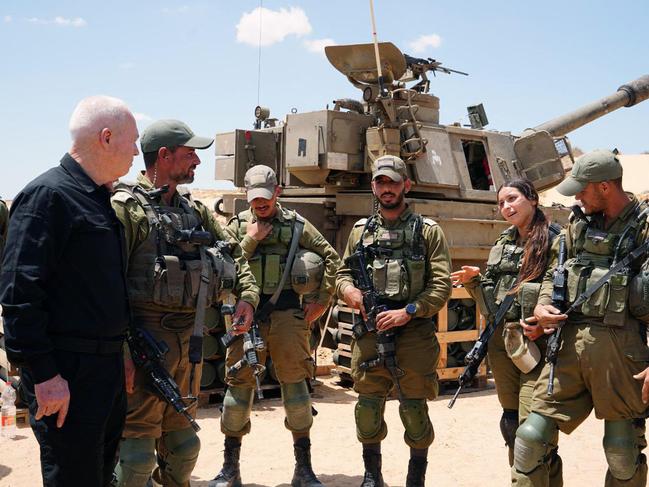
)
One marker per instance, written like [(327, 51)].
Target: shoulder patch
[(429, 221), (360, 222)]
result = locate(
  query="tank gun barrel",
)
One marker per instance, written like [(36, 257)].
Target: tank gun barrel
[(626, 95)]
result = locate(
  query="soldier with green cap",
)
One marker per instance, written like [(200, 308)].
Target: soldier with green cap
[(180, 262), (295, 267), (409, 264), (603, 359)]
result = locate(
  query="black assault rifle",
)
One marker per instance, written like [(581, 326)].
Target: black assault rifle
[(478, 352), (385, 340), (252, 343), (148, 354), (559, 298)]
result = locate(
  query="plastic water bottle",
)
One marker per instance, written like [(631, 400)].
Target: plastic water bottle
[(8, 412)]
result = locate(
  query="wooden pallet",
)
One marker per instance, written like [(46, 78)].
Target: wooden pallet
[(444, 336)]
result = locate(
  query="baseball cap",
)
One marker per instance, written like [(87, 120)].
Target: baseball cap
[(593, 167), (171, 133), (390, 166), (260, 182)]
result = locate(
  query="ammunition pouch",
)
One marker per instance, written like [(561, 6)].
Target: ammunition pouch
[(608, 302), (528, 295), (639, 295)]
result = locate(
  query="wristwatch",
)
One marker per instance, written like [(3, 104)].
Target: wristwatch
[(411, 309)]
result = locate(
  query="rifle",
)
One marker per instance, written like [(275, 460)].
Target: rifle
[(478, 352), (149, 354), (385, 341), (559, 298), (252, 343)]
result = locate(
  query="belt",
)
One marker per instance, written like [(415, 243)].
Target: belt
[(288, 299), (108, 346)]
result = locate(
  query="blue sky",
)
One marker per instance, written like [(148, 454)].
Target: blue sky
[(198, 61)]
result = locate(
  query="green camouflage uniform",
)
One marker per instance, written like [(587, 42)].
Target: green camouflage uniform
[(164, 302), (401, 280), (603, 346), (286, 333), (514, 387)]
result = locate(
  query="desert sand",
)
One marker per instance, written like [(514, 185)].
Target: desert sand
[(468, 449)]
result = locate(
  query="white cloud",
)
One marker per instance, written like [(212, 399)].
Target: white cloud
[(426, 42), (7, 19), (275, 25), (58, 20), (178, 10), (142, 117), (318, 45)]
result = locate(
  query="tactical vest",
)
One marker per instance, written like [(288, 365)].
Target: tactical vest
[(504, 264), (396, 259), (595, 251), (269, 260), (166, 273)]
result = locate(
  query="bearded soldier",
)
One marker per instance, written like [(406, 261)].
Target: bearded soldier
[(603, 339), (295, 268), (179, 264), (408, 263)]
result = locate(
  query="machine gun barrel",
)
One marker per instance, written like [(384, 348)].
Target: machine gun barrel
[(626, 95), (429, 64)]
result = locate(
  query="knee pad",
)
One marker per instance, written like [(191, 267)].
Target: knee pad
[(297, 405), (136, 462), (178, 452), (508, 426), (535, 439), (237, 404), (370, 427), (620, 448), (414, 416)]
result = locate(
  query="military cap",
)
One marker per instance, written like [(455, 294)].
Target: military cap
[(171, 133), (260, 182), (390, 166), (593, 167)]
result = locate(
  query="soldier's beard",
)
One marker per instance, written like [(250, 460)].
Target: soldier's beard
[(396, 203)]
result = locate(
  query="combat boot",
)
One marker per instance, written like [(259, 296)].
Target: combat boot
[(229, 476), (303, 475), (373, 476), (416, 472)]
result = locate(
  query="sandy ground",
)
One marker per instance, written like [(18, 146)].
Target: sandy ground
[(468, 449)]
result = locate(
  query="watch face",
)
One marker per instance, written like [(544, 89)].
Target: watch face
[(411, 309)]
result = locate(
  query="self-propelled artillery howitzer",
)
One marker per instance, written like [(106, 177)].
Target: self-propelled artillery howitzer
[(323, 158)]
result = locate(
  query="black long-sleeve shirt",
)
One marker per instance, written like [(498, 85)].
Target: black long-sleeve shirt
[(63, 268)]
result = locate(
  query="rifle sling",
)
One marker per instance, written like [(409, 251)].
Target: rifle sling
[(269, 305)]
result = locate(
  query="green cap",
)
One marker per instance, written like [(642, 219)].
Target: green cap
[(260, 182), (594, 167), (171, 133), (390, 166)]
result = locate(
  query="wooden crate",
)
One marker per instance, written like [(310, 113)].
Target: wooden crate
[(444, 336)]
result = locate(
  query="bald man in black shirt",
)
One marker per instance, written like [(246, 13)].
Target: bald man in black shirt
[(64, 299)]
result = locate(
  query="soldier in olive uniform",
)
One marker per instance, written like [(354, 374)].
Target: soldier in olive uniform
[(265, 233), (604, 340), (516, 265), (410, 268), (172, 279)]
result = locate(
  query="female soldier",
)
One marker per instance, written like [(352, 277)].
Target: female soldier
[(516, 265)]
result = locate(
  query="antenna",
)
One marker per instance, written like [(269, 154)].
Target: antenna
[(383, 91)]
